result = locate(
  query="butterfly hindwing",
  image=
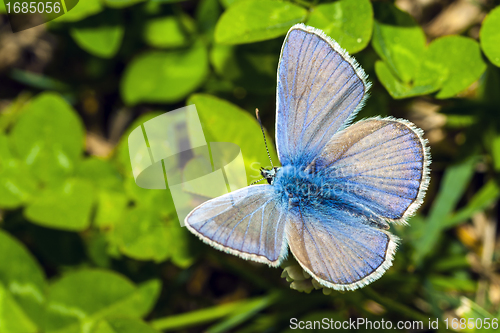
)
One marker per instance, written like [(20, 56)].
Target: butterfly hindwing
[(381, 164), (249, 223), (339, 249), (320, 88)]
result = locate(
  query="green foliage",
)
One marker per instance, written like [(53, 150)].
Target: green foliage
[(490, 36), (453, 186), (46, 209), (83, 10), (165, 76), (165, 32), (16, 183), (349, 22), (410, 68), (399, 41), (100, 41), (435, 70), (99, 295), (48, 137), (248, 21), (84, 249), (22, 287), (453, 61), (121, 3)]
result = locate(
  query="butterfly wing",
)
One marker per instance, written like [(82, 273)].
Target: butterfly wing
[(249, 223), (340, 250), (381, 164), (320, 88)]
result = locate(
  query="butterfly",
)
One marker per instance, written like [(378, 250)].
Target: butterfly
[(339, 185)]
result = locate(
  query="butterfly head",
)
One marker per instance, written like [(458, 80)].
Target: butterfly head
[(269, 175)]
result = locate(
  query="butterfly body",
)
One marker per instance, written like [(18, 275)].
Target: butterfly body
[(339, 186), (299, 186)]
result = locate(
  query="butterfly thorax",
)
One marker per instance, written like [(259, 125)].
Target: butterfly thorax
[(299, 186)]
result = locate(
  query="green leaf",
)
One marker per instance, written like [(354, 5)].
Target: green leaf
[(489, 36), (103, 41), (447, 283), (232, 124), (144, 299), (252, 69), (457, 59), (144, 235), (13, 319), (450, 64), (17, 185), (250, 309), (38, 81), (96, 247), (227, 3), (48, 137), (158, 200), (198, 317), (207, 15), (398, 89), (110, 208), (164, 77), (79, 300), (250, 21), (453, 185), (83, 9), (182, 252), (150, 230), (120, 3), (485, 197), (349, 22), (123, 325), (100, 173), (22, 288), (66, 206), (165, 32), (495, 152), (11, 113), (108, 186), (398, 40)]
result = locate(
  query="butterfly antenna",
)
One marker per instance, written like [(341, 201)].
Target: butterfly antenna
[(264, 135), (255, 182)]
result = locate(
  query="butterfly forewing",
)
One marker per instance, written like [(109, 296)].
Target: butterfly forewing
[(319, 89), (249, 222)]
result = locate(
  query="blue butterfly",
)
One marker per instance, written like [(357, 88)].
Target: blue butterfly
[(339, 186)]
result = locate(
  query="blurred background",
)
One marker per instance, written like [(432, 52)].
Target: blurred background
[(83, 249)]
